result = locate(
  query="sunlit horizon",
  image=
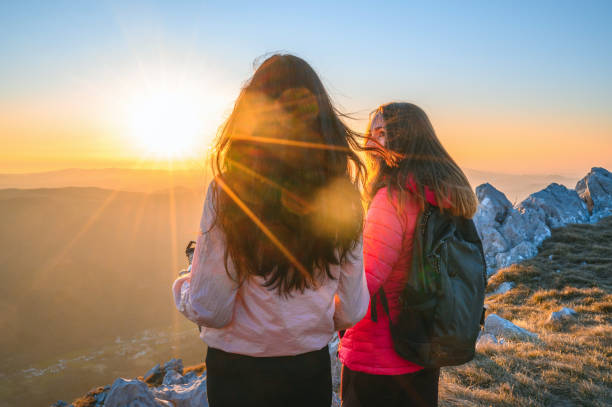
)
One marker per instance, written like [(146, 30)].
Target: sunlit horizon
[(148, 86)]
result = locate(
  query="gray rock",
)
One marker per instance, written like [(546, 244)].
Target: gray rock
[(100, 397), (190, 393), (491, 218), (522, 251), (495, 242), (596, 190), (513, 234), (173, 377), (535, 223), (190, 376), (502, 288), (486, 339), (507, 235), (153, 372), (514, 229), (562, 314), (132, 393), (174, 364), (496, 201), (497, 326), (556, 205)]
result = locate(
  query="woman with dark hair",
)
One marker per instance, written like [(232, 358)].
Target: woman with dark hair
[(278, 266), (420, 172)]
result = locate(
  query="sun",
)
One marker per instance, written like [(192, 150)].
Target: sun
[(165, 122)]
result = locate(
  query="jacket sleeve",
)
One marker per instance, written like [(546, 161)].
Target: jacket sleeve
[(352, 297), (207, 295), (383, 236)]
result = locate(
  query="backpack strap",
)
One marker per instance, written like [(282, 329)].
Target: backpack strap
[(383, 301), (373, 313)]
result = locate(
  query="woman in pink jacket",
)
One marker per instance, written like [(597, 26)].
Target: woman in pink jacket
[(420, 171), (277, 267)]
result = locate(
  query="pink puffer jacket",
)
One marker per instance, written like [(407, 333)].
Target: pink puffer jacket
[(387, 255)]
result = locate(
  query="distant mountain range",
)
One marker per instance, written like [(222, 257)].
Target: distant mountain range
[(121, 179), (516, 187)]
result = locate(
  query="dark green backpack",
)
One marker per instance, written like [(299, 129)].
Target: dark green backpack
[(442, 302)]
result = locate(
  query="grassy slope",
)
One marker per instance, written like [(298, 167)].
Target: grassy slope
[(570, 363)]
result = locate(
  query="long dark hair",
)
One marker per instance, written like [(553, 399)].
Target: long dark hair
[(287, 179), (423, 161)]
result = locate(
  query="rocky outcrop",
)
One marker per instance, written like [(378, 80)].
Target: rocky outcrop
[(511, 233), (166, 386), (506, 235), (132, 393), (596, 190), (556, 206), (175, 390)]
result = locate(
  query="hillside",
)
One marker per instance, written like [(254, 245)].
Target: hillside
[(570, 363), (87, 272), (547, 339), (83, 266), (567, 364)]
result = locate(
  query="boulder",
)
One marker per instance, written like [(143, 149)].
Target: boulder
[(507, 235), (502, 288), (514, 229), (132, 393), (154, 374), (556, 206), (561, 315), (493, 201), (596, 190), (493, 207), (173, 377), (537, 229), (492, 213), (486, 339), (524, 250), (190, 391), (174, 364), (497, 326)]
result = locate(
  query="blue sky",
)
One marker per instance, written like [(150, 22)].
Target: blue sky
[(492, 59)]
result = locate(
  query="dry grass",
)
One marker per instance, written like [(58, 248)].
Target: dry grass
[(570, 363)]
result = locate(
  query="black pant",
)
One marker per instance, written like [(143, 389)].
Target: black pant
[(419, 389), (238, 380)]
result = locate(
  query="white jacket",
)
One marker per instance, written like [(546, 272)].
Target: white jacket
[(254, 320)]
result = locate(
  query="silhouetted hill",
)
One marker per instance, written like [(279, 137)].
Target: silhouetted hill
[(136, 180), (516, 187)]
